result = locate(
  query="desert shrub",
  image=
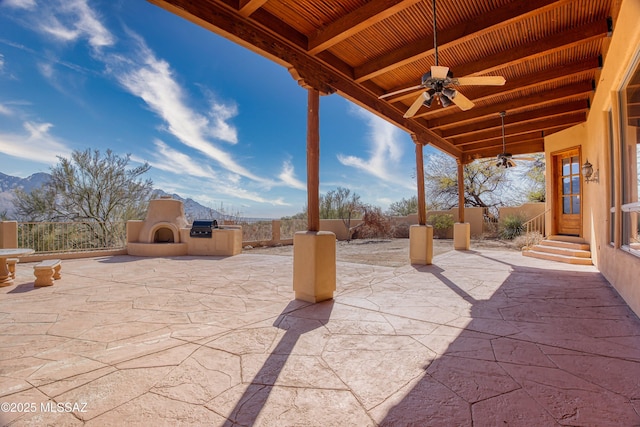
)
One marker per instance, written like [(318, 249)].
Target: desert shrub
[(527, 240), (400, 231), (511, 226), (441, 224), (375, 224)]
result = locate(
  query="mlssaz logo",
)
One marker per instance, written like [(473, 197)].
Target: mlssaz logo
[(63, 407)]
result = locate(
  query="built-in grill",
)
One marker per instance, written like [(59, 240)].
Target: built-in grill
[(203, 228)]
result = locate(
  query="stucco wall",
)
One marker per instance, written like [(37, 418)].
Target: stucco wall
[(337, 227), (619, 267), (527, 210)]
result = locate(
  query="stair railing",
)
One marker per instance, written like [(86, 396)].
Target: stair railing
[(533, 228)]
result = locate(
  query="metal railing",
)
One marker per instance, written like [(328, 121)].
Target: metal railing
[(534, 229), (57, 237), (289, 227), (256, 230)]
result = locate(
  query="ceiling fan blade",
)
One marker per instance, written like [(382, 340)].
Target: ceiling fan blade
[(462, 101), (439, 72), (414, 107), (530, 159), (407, 89), (480, 80)]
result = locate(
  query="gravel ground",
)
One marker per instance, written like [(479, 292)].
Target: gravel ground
[(384, 252)]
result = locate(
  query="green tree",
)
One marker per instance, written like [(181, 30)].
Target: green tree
[(534, 176), (89, 187), (404, 207), (485, 185), (342, 204)]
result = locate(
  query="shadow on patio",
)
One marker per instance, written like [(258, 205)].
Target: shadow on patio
[(478, 338)]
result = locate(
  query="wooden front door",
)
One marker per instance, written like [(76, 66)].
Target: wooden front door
[(568, 191)]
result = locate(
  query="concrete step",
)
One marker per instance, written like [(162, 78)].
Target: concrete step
[(563, 238), (566, 245), (557, 257), (567, 249), (576, 250)]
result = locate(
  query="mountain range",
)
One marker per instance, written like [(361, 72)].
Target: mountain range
[(8, 184)]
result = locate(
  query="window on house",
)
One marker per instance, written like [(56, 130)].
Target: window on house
[(612, 182), (630, 157)]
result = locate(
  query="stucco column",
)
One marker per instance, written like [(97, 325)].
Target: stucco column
[(8, 234), (461, 230), (314, 251), (420, 235)]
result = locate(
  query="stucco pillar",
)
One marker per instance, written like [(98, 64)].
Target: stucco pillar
[(462, 236), (421, 244), (461, 230), (8, 234), (314, 265), (314, 251), (421, 235)]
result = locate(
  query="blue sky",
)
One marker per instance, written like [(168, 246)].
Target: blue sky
[(217, 122)]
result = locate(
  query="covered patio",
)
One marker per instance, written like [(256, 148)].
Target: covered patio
[(508, 340)]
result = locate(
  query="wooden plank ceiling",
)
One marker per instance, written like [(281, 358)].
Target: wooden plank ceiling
[(549, 51)]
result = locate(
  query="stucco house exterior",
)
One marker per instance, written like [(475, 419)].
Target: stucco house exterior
[(607, 214)]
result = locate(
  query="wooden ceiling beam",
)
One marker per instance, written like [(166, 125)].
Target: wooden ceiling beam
[(354, 22), (450, 37), (247, 7), (511, 139), (520, 128), (518, 147), (536, 49), (551, 75), (478, 114), (510, 142), (524, 117)]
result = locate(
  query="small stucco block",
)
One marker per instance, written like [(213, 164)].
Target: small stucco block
[(462, 236), (314, 265), (421, 244)]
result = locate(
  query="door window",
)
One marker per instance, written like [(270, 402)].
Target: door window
[(571, 185)]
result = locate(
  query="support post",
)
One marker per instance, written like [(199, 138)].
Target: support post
[(314, 251), (420, 235), (422, 205), (460, 191), (313, 160), (461, 230)]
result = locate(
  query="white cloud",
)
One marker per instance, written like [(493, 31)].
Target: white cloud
[(71, 20), (152, 80), (222, 130), (385, 152), (19, 4), (288, 176), (241, 193), (37, 144), (170, 160), (5, 110)]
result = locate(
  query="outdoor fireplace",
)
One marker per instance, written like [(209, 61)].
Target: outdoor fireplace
[(166, 232), (163, 235)]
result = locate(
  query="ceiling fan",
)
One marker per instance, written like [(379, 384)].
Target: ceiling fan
[(437, 84), (505, 160)]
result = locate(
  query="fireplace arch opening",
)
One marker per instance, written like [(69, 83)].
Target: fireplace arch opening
[(163, 235), (163, 232)]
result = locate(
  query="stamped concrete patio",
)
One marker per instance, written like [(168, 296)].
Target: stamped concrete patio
[(480, 338)]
